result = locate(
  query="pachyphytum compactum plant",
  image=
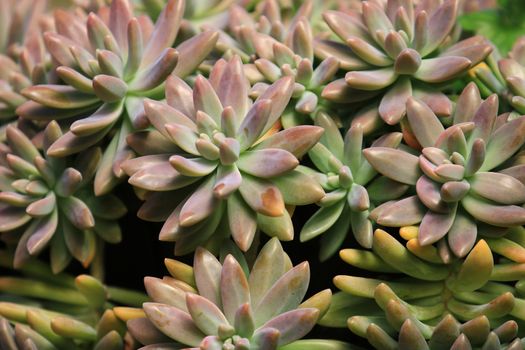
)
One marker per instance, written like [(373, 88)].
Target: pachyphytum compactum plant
[(329, 175)]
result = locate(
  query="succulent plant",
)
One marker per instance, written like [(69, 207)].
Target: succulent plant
[(22, 54), (352, 186), (108, 68), (49, 201), (473, 290), (396, 47), (460, 187), (218, 156), (294, 56), (228, 306), (58, 311)]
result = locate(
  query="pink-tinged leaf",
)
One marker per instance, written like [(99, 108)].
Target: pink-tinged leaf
[(242, 222), (376, 20), (493, 214), (42, 207), (476, 157), (517, 171), (134, 165), (160, 177), (462, 235), (284, 295), (434, 226), (440, 25), (16, 199), (109, 88), (254, 123), (279, 93), (441, 69), (233, 88), (394, 44), (205, 314), (67, 25), (174, 323), (266, 338), (165, 32), (296, 140), (454, 191), (159, 114), (500, 188), (119, 16), (102, 119), (228, 181), (244, 323), (267, 163), (324, 49), (346, 25), (405, 212), (59, 96), (183, 137), (467, 104), (423, 122), (12, 217), (300, 38), (77, 212), (339, 91), (298, 188), (200, 204), (155, 74), (393, 104), (371, 80), (428, 192), (262, 277), (207, 270), (20, 144), (43, 231), (476, 49), (395, 164), (75, 79), (193, 51), (59, 47), (179, 95), (234, 286), (368, 53), (110, 63), (484, 119), (205, 99), (145, 332), (407, 62), (196, 167), (504, 142), (262, 196), (293, 325), (162, 292), (97, 31), (438, 102)]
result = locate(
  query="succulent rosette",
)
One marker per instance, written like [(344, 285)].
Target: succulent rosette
[(60, 312), (460, 187), (395, 48), (473, 290), (47, 201), (351, 184), (226, 305), (294, 57), (218, 156), (109, 64), (22, 54)]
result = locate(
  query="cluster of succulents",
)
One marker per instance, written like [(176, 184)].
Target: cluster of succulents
[(381, 131)]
